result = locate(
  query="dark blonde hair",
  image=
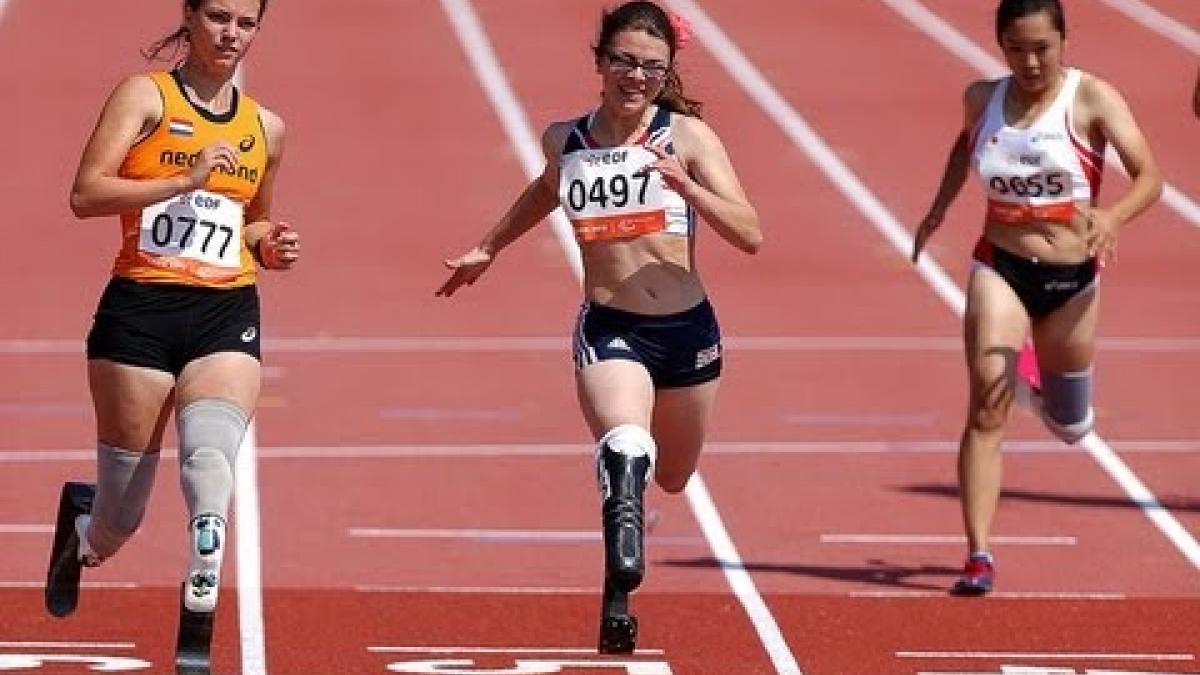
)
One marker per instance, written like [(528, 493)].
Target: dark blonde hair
[(650, 18), (177, 40)]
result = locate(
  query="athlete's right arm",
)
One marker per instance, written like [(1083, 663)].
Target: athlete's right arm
[(536, 202), (131, 113), (957, 164)]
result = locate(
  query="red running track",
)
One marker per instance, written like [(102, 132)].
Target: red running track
[(424, 498)]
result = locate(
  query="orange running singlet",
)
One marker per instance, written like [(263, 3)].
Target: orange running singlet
[(194, 238)]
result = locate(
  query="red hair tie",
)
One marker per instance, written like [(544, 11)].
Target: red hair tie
[(683, 30)]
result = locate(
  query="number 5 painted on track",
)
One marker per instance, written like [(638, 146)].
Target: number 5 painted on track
[(525, 667)]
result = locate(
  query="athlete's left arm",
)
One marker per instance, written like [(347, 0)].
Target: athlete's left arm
[(1115, 122), (275, 244), (704, 177)]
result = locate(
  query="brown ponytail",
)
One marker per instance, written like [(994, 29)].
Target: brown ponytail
[(672, 97)]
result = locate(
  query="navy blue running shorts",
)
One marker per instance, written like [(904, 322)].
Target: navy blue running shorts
[(679, 350)]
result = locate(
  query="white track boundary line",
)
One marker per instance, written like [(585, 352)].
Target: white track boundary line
[(45, 645), (248, 528), (956, 539), (1083, 596), (793, 124), (1171, 29), (105, 585), (500, 650), (384, 344), (480, 590), (990, 67), (248, 540), (508, 450), (487, 67), (1090, 656)]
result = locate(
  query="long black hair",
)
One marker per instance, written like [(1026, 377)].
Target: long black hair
[(1011, 10)]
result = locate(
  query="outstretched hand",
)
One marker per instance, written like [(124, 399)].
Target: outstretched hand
[(467, 268)]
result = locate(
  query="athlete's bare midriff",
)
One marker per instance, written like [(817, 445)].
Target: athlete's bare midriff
[(647, 275)]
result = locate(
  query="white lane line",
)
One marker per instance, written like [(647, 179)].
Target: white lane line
[(739, 579), (20, 528), (100, 585), (66, 645), (500, 535), (956, 539), (247, 529), (1090, 656), (480, 590), (1006, 595), (248, 540), (794, 125), (487, 67), (1173, 30), (915, 447), (400, 344), (508, 109), (990, 67), (499, 650)]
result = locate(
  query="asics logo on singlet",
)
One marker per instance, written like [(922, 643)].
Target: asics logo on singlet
[(249, 334), (182, 159), (246, 144)]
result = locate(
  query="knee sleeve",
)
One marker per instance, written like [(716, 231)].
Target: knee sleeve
[(629, 440), (1067, 404), (210, 432), (123, 483)]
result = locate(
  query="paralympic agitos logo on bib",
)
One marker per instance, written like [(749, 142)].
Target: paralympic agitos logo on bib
[(183, 159)]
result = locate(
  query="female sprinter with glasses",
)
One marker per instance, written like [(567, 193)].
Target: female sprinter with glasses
[(1037, 140), (632, 177)]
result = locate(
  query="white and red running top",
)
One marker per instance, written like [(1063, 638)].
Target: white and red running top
[(1037, 173)]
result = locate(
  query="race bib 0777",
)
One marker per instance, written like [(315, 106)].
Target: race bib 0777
[(202, 226)]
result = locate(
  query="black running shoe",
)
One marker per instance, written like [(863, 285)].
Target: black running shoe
[(622, 482), (62, 575)]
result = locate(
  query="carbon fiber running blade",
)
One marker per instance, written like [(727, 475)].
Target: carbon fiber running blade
[(194, 644)]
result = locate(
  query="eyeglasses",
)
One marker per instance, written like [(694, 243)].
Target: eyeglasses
[(624, 64)]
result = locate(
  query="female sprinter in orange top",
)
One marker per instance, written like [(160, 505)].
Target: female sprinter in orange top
[(186, 161), (1037, 139), (632, 176)]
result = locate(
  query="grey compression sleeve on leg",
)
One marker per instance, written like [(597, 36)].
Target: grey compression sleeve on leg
[(123, 483), (1067, 404), (210, 432)]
